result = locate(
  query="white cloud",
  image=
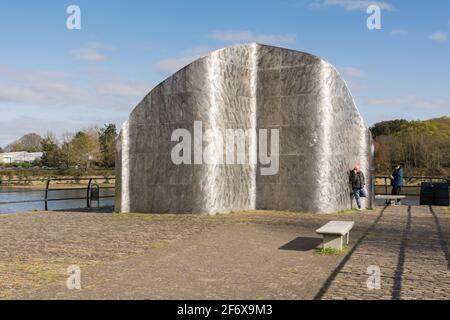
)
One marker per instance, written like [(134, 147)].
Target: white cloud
[(439, 36), (38, 101), (352, 72), (411, 102), (232, 36), (119, 87), (169, 66), (172, 65), (35, 101), (21, 125), (91, 52), (399, 32), (352, 5), (16, 127), (37, 87), (50, 89)]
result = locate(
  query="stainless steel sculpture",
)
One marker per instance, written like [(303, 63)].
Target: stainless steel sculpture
[(322, 136)]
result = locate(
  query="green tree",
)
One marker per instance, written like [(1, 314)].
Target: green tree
[(82, 150), (387, 128), (107, 138), (52, 156), (422, 146), (383, 157)]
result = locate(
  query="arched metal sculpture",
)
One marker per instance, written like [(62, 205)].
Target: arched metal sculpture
[(245, 87)]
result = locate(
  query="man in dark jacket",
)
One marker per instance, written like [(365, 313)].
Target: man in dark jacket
[(397, 180), (358, 182)]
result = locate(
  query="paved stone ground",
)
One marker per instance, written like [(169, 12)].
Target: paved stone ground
[(249, 255), (37, 248), (253, 255), (410, 245)]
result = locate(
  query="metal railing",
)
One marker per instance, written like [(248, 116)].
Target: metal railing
[(47, 191), (411, 186)]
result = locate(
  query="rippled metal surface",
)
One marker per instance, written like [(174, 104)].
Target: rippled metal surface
[(322, 135)]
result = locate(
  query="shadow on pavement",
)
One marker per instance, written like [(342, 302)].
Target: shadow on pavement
[(302, 244), (442, 241), (90, 210), (398, 276)]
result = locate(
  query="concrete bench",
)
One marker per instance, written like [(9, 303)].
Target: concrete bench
[(392, 200), (333, 234)]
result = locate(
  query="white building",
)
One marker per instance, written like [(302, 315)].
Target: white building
[(20, 157)]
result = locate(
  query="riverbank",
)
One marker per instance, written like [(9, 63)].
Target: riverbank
[(57, 180), (54, 172), (42, 186), (32, 177)]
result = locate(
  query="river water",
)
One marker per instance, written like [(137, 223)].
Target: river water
[(10, 195), (15, 195)]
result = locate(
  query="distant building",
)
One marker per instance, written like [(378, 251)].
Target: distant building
[(20, 157)]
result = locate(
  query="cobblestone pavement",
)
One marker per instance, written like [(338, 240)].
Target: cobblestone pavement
[(410, 246), (37, 248), (247, 255)]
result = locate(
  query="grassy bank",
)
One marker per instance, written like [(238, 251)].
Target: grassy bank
[(36, 178)]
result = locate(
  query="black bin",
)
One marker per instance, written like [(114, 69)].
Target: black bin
[(434, 194), (95, 193)]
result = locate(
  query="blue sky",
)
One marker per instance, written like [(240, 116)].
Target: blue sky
[(60, 80)]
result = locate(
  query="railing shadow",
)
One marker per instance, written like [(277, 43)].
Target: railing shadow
[(341, 265), (105, 209), (399, 270), (442, 241)]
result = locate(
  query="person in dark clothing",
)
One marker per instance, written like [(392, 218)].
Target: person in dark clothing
[(358, 182), (397, 180)]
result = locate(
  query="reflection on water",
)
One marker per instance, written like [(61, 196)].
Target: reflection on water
[(9, 195)]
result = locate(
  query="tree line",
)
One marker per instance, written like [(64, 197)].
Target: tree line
[(422, 147), (83, 149)]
